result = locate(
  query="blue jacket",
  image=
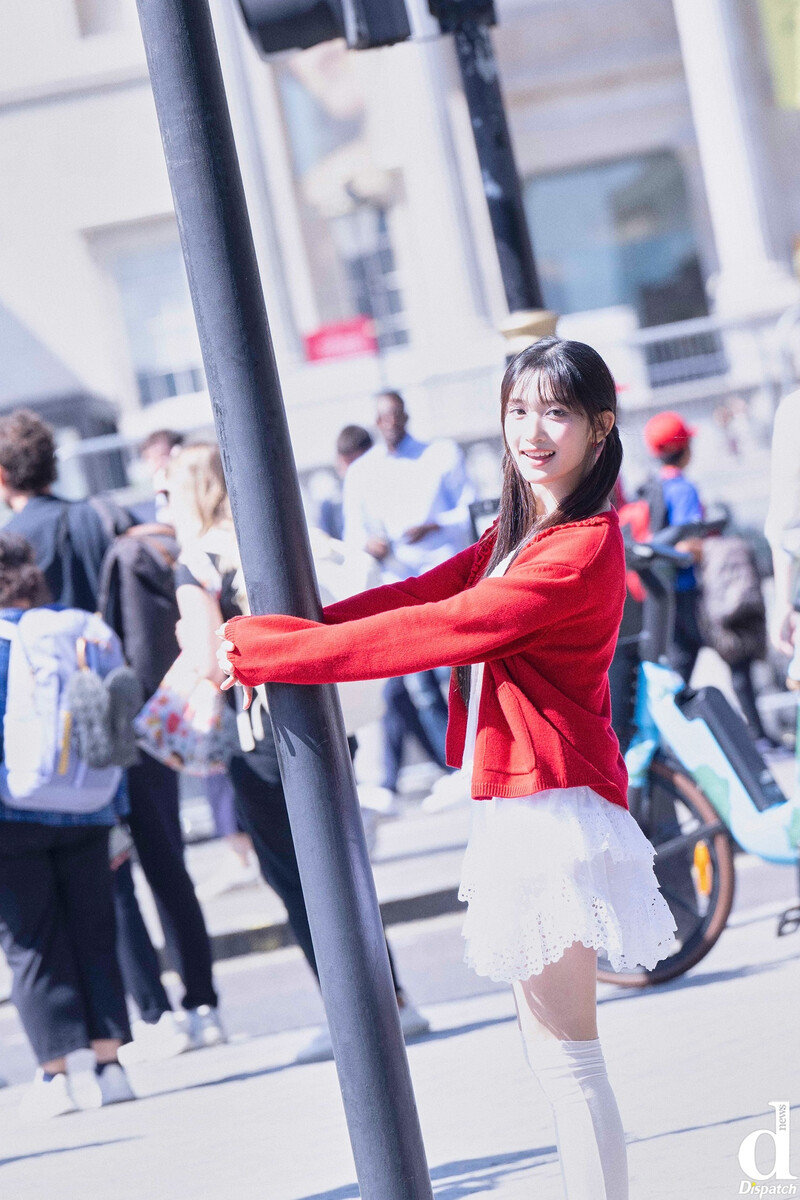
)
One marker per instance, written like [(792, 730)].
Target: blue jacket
[(683, 507)]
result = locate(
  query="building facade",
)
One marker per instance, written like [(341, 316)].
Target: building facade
[(658, 143)]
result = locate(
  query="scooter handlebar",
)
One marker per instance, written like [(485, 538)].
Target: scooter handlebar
[(641, 555)]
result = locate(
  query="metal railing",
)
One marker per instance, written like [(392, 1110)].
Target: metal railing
[(716, 355), (705, 359)]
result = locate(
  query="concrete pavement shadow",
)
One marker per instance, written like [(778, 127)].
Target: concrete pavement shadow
[(654, 1137), (701, 979), (237, 1077), (441, 1035), (437, 1035), (6, 1162), (261, 1072), (479, 1176), (465, 1177)]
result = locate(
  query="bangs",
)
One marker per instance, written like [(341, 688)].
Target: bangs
[(556, 386), (549, 383)]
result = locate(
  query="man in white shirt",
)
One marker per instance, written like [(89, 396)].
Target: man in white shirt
[(407, 504)]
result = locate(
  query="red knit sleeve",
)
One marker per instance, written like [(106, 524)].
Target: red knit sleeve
[(445, 580), (495, 618)]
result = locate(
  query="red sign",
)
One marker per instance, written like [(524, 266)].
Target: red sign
[(342, 339)]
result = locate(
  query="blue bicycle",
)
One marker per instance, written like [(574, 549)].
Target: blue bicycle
[(697, 782)]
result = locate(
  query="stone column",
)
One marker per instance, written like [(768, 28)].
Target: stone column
[(751, 276)]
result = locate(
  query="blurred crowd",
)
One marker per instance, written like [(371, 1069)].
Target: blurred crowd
[(164, 575)]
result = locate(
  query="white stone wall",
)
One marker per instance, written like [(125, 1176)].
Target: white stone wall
[(81, 163)]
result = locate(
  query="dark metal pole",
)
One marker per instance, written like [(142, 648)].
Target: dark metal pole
[(265, 497), (501, 186)]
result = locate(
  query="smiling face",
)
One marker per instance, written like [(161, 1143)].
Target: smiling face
[(552, 446)]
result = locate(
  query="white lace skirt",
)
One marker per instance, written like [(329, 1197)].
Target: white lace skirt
[(544, 871)]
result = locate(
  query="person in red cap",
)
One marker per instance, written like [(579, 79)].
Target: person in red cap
[(669, 439)]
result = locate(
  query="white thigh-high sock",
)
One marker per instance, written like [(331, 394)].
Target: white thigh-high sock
[(591, 1142)]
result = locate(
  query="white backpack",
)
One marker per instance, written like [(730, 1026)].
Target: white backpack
[(42, 770)]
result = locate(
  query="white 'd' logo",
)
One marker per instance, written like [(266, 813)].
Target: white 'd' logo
[(780, 1138)]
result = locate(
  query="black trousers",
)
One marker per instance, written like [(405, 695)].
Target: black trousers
[(743, 686), (57, 931), (622, 676), (687, 640), (138, 961), (261, 808), (156, 828)]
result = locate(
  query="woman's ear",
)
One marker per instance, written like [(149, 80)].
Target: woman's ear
[(605, 424)]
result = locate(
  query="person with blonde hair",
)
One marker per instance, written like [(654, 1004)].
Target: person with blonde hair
[(200, 514), (210, 590)]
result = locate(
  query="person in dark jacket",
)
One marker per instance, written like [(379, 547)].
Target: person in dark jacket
[(56, 909), (70, 543), (68, 540)]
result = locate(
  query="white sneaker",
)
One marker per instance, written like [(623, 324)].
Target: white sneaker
[(447, 792), (231, 874), (205, 1027), (163, 1039), (109, 1087), (47, 1098), (418, 777), (380, 799)]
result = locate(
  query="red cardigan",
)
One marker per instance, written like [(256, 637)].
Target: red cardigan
[(546, 631)]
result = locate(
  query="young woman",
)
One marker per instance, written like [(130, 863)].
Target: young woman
[(556, 868), (57, 911)]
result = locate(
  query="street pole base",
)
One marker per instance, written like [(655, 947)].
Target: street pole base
[(526, 326)]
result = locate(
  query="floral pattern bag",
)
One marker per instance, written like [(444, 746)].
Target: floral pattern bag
[(181, 723)]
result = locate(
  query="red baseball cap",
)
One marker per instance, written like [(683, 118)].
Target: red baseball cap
[(667, 431)]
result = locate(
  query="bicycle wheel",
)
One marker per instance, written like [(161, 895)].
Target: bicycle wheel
[(694, 868)]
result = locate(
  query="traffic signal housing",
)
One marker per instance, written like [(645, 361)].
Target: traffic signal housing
[(453, 13), (278, 25)]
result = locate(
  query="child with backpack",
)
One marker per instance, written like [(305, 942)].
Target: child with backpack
[(669, 439), (56, 811), (718, 601)]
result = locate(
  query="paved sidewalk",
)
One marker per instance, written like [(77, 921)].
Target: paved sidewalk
[(416, 862), (694, 1064)]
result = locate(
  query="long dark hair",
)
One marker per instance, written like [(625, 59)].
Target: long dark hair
[(574, 376)]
